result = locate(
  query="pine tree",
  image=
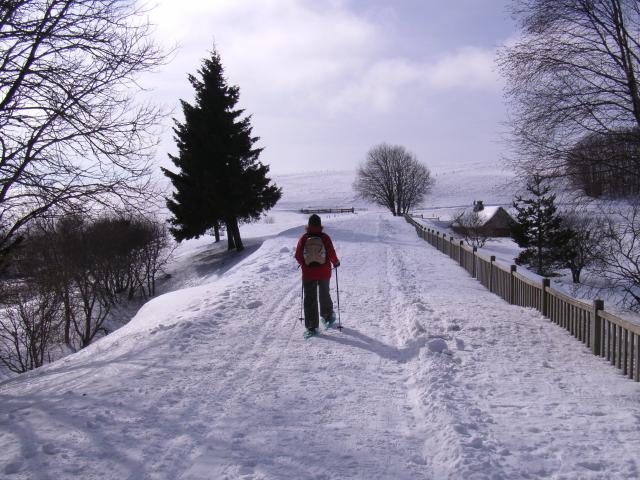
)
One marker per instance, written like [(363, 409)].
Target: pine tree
[(219, 178), (539, 228)]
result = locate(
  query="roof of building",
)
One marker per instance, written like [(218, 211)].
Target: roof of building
[(487, 213)]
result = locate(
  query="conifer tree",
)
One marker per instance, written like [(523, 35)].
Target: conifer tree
[(219, 178), (539, 228)]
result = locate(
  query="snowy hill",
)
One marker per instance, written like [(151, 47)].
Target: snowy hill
[(453, 188), (432, 376)]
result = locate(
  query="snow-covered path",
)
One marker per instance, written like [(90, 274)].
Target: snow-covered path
[(432, 377)]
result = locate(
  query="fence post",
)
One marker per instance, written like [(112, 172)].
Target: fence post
[(460, 254), (545, 296), (473, 268), (596, 327), (512, 284), (491, 260), (451, 247)]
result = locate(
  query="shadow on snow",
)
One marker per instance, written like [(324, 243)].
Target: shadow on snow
[(354, 338)]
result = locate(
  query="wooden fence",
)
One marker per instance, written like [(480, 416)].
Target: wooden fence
[(421, 215), (607, 335), (328, 210)]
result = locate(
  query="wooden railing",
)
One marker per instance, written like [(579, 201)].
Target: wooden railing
[(421, 215), (328, 210), (607, 335)]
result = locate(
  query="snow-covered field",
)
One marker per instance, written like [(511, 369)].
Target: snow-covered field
[(432, 377)]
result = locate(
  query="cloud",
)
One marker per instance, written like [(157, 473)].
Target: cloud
[(383, 81), (309, 71), (322, 56), (267, 44), (469, 68)]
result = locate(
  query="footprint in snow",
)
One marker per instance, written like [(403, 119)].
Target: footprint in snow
[(252, 305), (438, 345), (477, 329), (461, 429), (476, 443), (49, 449), (13, 467), (594, 466)]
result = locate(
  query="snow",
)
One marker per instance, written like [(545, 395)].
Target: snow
[(487, 213), (484, 215), (432, 377)]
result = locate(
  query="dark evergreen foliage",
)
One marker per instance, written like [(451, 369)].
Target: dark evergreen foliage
[(219, 178), (539, 228)]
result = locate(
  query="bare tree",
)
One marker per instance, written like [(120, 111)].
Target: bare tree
[(470, 225), (393, 178), (154, 256), (71, 130), (70, 257), (27, 329), (606, 164), (111, 261), (572, 72), (619, 259), (68, 275), (583, 245), (413, 183)]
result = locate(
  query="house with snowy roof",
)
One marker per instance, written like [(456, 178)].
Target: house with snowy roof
[(489, 221)]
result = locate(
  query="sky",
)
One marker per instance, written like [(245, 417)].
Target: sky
[(327, 80)]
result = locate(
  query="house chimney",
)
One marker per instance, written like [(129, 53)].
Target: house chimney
[(478, 206)]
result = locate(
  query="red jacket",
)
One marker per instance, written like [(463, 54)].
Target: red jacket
[(320, 272)]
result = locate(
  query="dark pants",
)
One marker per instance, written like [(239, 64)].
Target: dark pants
[(311, 288)]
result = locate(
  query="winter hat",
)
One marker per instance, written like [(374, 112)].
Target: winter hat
[(314, 221)]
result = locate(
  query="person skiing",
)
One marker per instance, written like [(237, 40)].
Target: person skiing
[(315, 255)]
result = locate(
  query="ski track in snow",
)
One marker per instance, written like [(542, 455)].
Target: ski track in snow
[(431, 378)]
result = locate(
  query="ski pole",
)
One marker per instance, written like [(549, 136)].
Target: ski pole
[(301, 299), (338, 296)]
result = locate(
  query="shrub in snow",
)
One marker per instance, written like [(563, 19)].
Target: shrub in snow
[(28, 327), (438, 345), (70, 273)]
